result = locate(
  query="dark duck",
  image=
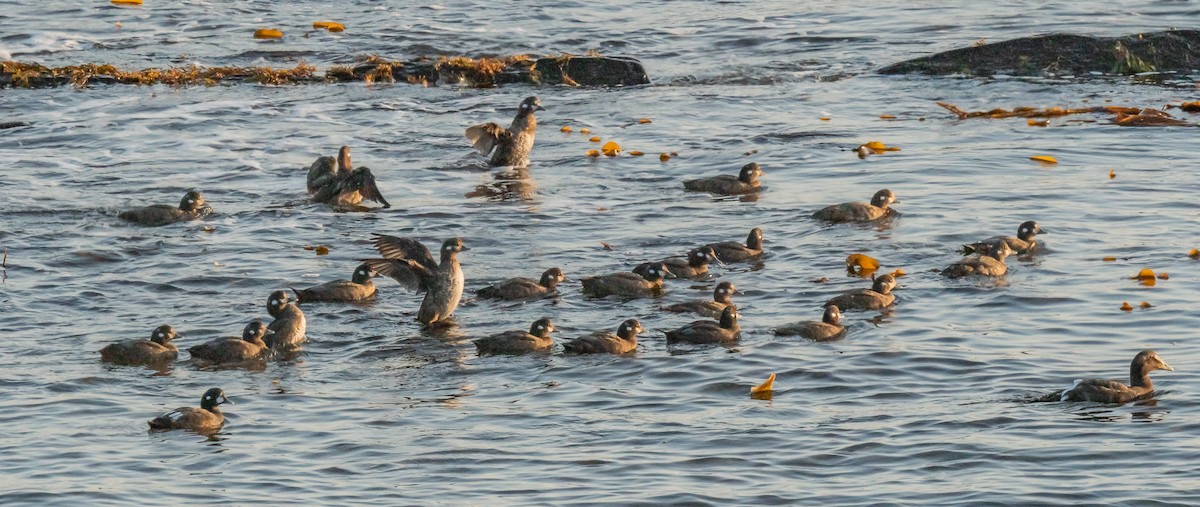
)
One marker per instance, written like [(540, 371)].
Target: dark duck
[(191, 207), (1022, 244), (358, 288), (509, 146), (744, 183), (519, 288), (233, 350), (518, 342), (725, 330), (628, 284), (288, 329), (607, 342), (829, 328), (408, 261), (1112, 391), (879, 207), (157, 350), (732, 251), (207, 418), (692, 266), (989, 262), (722, 297), (878, 297), (334, 182)]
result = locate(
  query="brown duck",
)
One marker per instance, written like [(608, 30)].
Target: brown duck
[(878, 208), (207, 418), (515, 289), (334, 182), (726, 330), (518, 342), (692, 266), (828, 329), (604, 342), (732, 251), (510, 146), (744, 183), (722, 297), (408, 261), (990, 263), (191, 207), (1022, 244), (288, 328), (358, 288), (1111, 391), (878, 297), (628, 284), (250, 347), (158, 349)]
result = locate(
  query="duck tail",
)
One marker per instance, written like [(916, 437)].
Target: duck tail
[(299, 294), (968, 249)]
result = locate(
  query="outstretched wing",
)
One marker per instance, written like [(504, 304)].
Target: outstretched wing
[(408, 272), (363, 181), (395, 247), (322, 174), (486, 136)]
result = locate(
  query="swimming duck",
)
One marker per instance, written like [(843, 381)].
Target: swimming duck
[(358, 288), (158, 349), (204, 419), (694, 265), (709, 331), (878, 297), (745, 182), (191, 207), (860, 211), (249, 347), (512, 145), (990, 263), (722, 297), (604, 342), (628, 284), (287, 330), (524, 288), (830, 327), (1020, 245), (732, 251), (334, 182), (410, 263), (518, 342), (1111, 391)]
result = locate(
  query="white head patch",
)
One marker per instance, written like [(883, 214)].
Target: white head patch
[(275, 302), (190, 201)]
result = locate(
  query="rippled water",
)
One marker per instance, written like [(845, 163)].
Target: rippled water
[(923, 405)]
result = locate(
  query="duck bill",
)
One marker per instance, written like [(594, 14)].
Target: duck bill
[(539, 108), (1166, 366), (225, 400)]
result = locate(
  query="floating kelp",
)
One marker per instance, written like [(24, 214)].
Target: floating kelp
[(1123, 116), (591, 70)]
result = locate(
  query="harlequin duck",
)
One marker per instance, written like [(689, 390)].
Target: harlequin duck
[(250, 347), (207, 418), (605, 342), (860, 211), (628, 284), (358, 288), (745, 182), (334, 182), (520, 288), (518, 342), (1022, 244), (878, 297), (829, 328), (722, 297), (158, 349), (726, 330), (512, 145), (732, 251), (694, 265), (408, 261), (288, 328), (191, 207), (1111, 391)]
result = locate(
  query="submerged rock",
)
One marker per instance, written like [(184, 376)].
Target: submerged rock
[(1065, 54)]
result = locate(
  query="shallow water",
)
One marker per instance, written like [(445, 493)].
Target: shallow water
[(921, 406)]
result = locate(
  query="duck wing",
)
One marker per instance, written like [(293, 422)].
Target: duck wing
[(395, 247), (1101, 390), (486, 136), (408, 272), (361, 180), (322, 175)]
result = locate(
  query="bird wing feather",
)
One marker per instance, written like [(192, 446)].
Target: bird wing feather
[(486, 136)]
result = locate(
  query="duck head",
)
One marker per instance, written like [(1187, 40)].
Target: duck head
[(453, 246), (1000, 252), (362, 273), (833, 315), (883, 284), (552, 277), (212, 398), (254, 332), (1028, 230), (1147, 361), (655, 272), (750, 173), (191, 201), (755, 239), (344, 159), (724, 292), (542, 327), (883, 198), (162, 334), (629, 329), (729, 317), (529, 105), (276, 302), (702, 256)]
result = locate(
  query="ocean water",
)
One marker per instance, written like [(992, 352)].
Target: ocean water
[(924, 404)]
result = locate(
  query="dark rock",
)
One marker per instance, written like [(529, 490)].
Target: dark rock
[(590, 71), (1065, 54)]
